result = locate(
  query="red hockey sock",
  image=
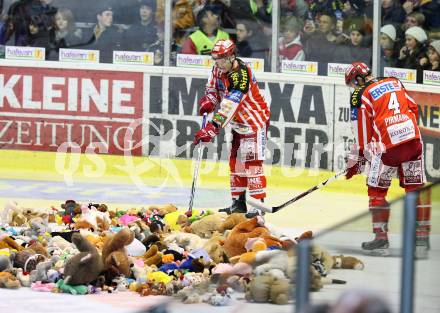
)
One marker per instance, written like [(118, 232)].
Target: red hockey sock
[(423, 217), (380, 212)]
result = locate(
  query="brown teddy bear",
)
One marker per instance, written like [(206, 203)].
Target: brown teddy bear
[(231, 221), (84, 267), (207, 225), (9, 243), (9, 281), (114, 255), (214, 247), (252, 228), (163, 209), (347, 262), (153, 256)]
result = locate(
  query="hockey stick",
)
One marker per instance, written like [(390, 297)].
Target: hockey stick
[(196, 171), (264, 207)]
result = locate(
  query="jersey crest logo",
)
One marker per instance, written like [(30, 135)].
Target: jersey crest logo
[(384, 88)]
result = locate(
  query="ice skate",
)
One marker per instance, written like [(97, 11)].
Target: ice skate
[(237, 206), (421, 249), (377, 247)]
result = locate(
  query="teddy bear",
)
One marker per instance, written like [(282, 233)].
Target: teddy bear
[(9, 243), (207, 225), (187, 241), (268, 288), (347, 262), (232, 220), (214, 247), (114, 255), (9, 281), (85, 266), (163, 210), (251, 228), (153, 256)]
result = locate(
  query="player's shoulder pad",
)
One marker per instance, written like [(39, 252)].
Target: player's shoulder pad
[(240, 78), (356, 96)]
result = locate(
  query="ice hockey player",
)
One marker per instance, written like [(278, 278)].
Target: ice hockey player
[(233, 95), (384, 119)]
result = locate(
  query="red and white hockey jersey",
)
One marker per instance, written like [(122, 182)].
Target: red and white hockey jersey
[(242, 104), (383, 112)]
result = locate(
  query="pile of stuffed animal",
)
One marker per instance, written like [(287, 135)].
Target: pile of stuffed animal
[(199, 257)]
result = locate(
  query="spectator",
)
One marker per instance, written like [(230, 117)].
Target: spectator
[(355, 51), (65, 29), (244, 33), (388, 43), (227, 20), (290, 47), (21, 13), (143, 33), (432, 61), (105, 37), (296, 8), (321, 44), (259, 43), (202, 40), (38, 34), (429, 8), (413, 19), (320, 7), (414, 49), (64, 34), (392, 12)]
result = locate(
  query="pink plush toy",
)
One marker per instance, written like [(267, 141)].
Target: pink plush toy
[(127, 219), (43, 287)]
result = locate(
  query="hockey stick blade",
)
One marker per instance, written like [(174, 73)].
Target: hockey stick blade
[(264, 207)]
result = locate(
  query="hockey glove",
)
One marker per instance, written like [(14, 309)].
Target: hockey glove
[(208, 103), (206, 134), (355, 163)]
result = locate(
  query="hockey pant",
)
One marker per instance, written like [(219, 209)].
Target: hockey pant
[(406, 160), (246, 164)]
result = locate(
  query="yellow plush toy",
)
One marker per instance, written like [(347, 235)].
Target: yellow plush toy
[(159, 277)]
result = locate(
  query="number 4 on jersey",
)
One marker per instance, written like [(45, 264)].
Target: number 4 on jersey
[(393, 104)]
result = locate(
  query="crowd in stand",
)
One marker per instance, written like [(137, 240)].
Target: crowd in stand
[(336, 31)]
